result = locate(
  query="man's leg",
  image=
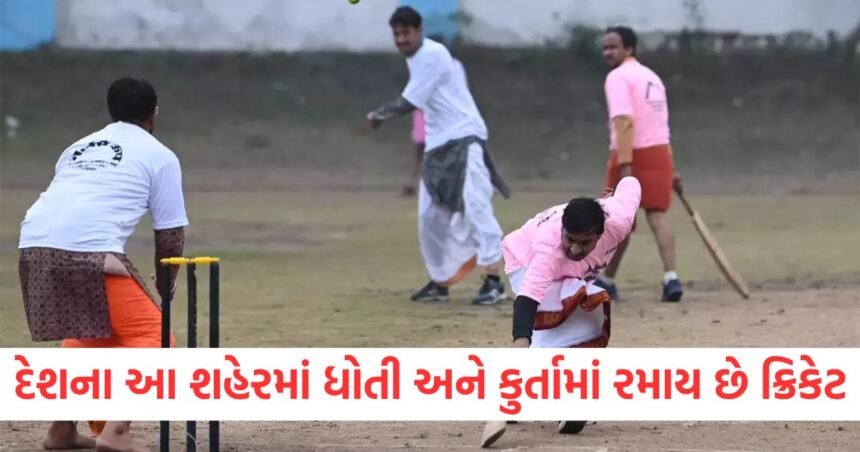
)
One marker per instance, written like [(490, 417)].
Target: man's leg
[(433, 225), (659, 222), (492, 291), (615, 262), (492, 269), (117, 437), (607, 280), (602, 341), (485, 230), (64, 435), (656, 175), (135, 323)]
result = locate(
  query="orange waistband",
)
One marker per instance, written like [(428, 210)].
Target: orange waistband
[(656, 147)]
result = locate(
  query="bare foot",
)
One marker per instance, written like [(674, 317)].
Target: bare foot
[(64, 435), (116, 438)]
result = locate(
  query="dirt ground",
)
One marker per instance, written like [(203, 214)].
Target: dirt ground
[(319, 251), (464, 436)]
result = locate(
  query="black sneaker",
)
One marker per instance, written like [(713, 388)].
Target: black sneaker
[(672, 290), (610, 288), (570, 427), (492, 292), (431, 292)]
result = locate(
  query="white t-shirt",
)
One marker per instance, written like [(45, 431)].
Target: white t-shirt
[(437, 86), (103, 185)]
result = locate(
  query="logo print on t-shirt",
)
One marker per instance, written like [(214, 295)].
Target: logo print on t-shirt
[(591, 273), (545, 216), (96, 155), (655, 97)]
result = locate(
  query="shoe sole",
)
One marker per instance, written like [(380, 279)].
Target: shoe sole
[(492, 302), (430, 299), (571, 427), (674, 297)]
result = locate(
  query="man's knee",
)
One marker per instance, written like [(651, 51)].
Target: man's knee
[(655, 216)]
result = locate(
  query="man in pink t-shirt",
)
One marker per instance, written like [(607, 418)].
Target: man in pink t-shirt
[(551, 261), (639, 145), (573, 240)]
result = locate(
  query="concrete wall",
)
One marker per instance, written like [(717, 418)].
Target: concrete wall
[(26, 24), (256, 25), (529, 22), (292, 25)]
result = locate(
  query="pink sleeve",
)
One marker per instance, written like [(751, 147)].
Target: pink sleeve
[(417, 126), (622, 207), (539, 276), (618, 99)]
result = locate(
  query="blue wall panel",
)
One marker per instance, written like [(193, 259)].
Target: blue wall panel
[(26, 24), (439, 17)]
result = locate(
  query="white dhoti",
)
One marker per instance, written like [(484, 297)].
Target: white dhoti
[(453, 242), (561, 320)]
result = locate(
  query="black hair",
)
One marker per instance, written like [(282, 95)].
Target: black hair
[(582, 216), (628, 37), (406, 16), (131, 100)]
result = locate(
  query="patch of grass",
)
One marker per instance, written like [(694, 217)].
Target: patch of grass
[(349, 285)]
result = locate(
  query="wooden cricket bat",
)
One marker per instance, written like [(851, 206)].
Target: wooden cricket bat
[(716, 252)]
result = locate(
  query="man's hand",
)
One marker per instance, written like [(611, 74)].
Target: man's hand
[(626, 170), (168, 243), (374, 122), (408, 190), (607, 192), (676, 183), (397, 107), (158, 289), (522, 342)]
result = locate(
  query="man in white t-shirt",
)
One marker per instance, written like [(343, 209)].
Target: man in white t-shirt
[(77, 283), (457, 228), (418, 134)]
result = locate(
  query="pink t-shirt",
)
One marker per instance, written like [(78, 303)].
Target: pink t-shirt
[(537, 246), (636, 91), (417, 127)]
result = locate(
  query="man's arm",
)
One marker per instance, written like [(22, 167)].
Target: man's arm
[(622, 207), (676, 181), (525, 311), (536, 282), (167, 206), (624, 133), (620, 106), (168, 243), (424, 78), (397, 107)]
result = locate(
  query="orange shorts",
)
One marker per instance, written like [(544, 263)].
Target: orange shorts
[(134, 317), (655, 170)]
